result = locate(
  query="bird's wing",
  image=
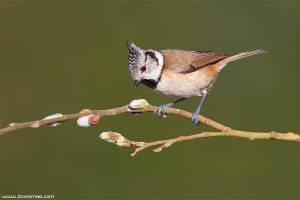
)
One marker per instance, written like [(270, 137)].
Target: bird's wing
[(203, 58), (185, 62), (178, 60)]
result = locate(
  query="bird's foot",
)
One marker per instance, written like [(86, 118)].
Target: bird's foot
[(195, 118), (161, 108)]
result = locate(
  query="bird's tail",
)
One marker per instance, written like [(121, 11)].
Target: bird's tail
[(239, 56)]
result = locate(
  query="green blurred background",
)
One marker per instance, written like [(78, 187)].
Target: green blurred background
[(65, 56)]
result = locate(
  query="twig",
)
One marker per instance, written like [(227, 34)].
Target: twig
[(109, 112), (229, 132), (122, 141)]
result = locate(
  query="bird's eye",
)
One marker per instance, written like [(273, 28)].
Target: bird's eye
[(143, 68)]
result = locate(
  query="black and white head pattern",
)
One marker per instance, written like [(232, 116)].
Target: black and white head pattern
[(136, 58), (144, 64)]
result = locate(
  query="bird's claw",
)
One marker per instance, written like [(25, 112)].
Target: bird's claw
[(195, 118), (161, 108)]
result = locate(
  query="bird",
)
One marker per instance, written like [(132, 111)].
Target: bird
[(180, 73)]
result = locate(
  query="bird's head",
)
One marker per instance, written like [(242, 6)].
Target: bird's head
[(144, 64)]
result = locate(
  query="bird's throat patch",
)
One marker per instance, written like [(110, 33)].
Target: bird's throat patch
[(150, 83)]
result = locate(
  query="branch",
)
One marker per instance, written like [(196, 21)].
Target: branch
[(90, 117), (229, 132), (109, 112)]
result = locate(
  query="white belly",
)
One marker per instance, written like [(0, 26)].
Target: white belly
[(183, 85)]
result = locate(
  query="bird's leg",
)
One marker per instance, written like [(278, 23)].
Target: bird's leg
[(195, 114), (161, 108)]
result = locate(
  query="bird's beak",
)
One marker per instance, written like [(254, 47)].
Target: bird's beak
[(137, 82)]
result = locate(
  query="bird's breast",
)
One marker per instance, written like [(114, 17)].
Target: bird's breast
[(183, 85)]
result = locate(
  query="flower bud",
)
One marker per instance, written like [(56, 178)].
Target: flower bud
[(86, 111), (51, 117), (164, 116), (116, 138), (94, 119), (140, 103), (88, 120)]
